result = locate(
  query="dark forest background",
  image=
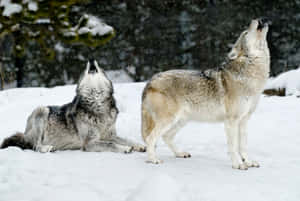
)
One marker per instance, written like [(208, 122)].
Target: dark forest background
[(156, 35)]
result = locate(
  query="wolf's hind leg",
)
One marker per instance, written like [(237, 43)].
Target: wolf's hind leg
[(158, 114), (160, 129), (168, 138), (101, 146)]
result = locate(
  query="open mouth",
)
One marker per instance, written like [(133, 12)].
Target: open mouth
[(92, 69), (262, 22), (260, 25)]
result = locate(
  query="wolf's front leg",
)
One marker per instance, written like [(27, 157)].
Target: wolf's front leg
[(44, 148), (243, 144), (122, 141), (232, 132), (126, 142), (92, 142), (101, 146)]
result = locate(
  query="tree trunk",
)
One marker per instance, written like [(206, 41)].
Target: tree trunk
[(2, 77), (19, 65)]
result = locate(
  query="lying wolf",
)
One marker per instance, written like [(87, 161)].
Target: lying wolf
[(228, 94), (87, 123)]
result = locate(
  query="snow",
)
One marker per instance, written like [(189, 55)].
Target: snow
[(69, 33), (10, 8), (32, 6), (59, 47), (74, 175), (153, 188), (43, 21), (289, 80), (95, 26), (118, 76)]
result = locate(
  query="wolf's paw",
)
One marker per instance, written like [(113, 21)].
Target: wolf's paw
[(241, 166), (45, 148), (183, 155), (251, 163), (154, 161), (128, 150), (139, 148)]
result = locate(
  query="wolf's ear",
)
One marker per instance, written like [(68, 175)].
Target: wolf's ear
[(237, 47), (233, 54), (96, 63)]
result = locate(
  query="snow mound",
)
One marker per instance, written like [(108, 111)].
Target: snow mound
[(10, 8), (95, 26), (158, 187), (290, 81), (89, 24)]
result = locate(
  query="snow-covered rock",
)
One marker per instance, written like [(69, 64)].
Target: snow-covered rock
[(288, 81)]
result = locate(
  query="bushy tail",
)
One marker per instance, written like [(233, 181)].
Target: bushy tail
[(35, 127), (16, 140)]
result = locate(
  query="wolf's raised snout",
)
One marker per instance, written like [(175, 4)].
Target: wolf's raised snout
[(262, 22), (92, 67)]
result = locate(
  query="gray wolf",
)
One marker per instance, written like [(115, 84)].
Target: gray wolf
[(227, 94), (87, 123)]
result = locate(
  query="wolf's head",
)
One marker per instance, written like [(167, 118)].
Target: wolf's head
[(93, 78), (252, 42)]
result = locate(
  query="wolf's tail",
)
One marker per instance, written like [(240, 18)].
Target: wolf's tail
[(16, 140), (35, 127)]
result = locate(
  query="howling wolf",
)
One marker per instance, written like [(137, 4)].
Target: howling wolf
[(228, 94), (87, 123)]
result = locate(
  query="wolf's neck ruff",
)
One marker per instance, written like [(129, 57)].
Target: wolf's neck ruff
[(92, 99)]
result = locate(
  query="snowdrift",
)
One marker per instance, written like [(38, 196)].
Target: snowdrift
[(285, 84)]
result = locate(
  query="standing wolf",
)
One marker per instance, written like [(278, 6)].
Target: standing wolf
[(87, 123), (229, 94)]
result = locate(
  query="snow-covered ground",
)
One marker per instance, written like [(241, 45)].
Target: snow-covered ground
[(274, 141), (118, 76)]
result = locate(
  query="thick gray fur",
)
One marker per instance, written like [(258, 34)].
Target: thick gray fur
[(87, 123)]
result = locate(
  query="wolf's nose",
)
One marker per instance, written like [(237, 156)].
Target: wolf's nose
[(264, 20)]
